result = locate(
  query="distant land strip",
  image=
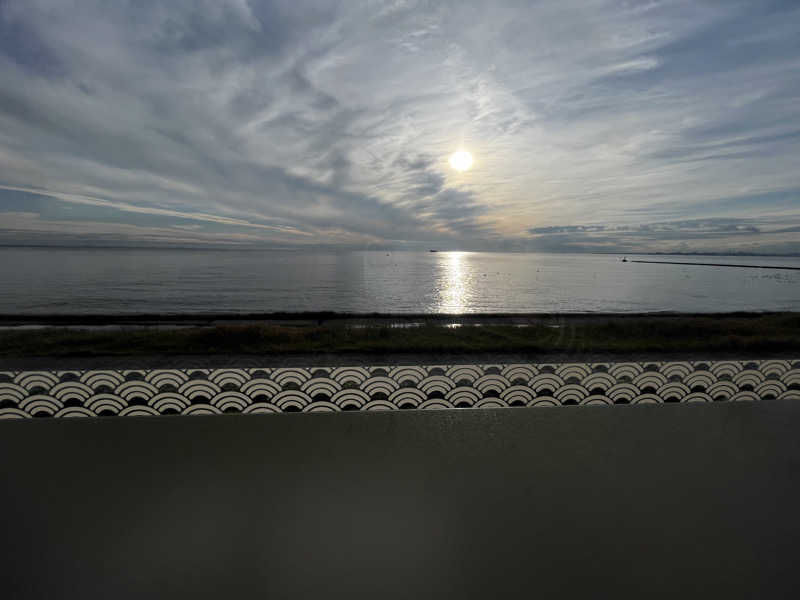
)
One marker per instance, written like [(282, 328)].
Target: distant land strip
[(669, 262)]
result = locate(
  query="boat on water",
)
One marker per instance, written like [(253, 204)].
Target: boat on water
[(432, 250)]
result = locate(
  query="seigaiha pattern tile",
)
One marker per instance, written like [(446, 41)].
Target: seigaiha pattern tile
[(201, 391)]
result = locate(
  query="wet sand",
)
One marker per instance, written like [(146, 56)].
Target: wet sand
[(333, 319)]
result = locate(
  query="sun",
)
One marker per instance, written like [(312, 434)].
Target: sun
[(461, 160)]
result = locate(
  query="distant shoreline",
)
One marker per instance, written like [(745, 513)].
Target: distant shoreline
[(377, 249)]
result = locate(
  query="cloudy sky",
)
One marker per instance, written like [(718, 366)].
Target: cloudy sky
[(596, 125)]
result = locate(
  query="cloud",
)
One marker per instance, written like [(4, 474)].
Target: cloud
[(566, 229), (701, 235), (29, 228), (298, 122)]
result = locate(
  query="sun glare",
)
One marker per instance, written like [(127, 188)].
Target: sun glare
[(461, 160)]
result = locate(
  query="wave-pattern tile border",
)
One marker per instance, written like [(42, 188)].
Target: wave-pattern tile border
[(90, 393)]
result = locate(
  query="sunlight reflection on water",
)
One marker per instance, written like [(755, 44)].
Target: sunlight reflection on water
[(454, 283)]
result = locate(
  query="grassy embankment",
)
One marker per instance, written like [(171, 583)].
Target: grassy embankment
[(604, 335)]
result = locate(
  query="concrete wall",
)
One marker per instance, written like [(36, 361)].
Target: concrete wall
[(675, 500)]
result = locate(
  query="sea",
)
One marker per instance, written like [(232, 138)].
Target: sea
[(77, 281)]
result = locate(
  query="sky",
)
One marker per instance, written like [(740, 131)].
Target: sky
[(594, 125)]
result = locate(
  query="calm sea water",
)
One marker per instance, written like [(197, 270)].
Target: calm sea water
[(58, 280)]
